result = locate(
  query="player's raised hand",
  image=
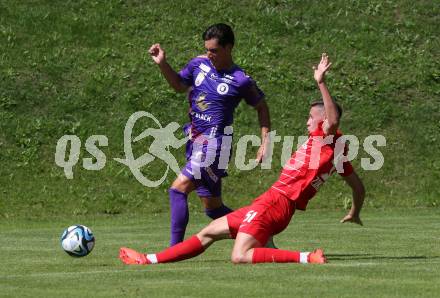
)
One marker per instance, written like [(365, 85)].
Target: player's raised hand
[(322, 68), (261, 153), (353, 219), (157, 53)]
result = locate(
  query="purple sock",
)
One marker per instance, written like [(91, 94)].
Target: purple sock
[(218, 212), (179, 215)]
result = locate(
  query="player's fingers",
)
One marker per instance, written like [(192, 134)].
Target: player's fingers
[(259, 158), (328, 66), (153, 49), (156, 46)]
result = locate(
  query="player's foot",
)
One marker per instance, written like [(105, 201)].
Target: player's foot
[(130, 257), (317, 257)]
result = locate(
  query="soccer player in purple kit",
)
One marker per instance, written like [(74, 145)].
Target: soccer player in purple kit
[(215, 86)]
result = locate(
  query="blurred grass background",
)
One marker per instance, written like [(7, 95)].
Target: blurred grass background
[(81, 67)]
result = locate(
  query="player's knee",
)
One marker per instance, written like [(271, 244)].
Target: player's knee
[(183, 184), (238, 258)]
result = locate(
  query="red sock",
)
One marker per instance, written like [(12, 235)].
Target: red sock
[(184, 250), (271, 255)]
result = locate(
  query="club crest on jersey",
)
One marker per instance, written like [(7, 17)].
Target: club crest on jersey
[(222, 88), (200, 101), (199, 79)]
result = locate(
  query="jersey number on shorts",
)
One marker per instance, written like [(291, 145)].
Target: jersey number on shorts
[(250, 216)]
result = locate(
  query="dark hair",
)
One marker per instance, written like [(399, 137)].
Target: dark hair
[(222, 32), (320, 103)]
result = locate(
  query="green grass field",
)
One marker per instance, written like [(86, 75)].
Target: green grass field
[(395, 254), (81, 67)]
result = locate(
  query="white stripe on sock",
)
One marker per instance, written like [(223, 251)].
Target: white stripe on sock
[(152, 258), (303, 256)]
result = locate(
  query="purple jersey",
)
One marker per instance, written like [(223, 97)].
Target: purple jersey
[(215, 95)]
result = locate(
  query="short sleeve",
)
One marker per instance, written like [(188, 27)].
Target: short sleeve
[(186, 73), (251, 93)]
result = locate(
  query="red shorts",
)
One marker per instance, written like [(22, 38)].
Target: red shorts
[(268, 215)]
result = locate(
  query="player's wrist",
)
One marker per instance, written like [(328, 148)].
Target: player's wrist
[(265, 139), (162, 64)]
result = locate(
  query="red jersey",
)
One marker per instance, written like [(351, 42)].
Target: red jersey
[(309, 167)]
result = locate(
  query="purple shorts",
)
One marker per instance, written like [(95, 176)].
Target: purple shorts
[(206, 165)]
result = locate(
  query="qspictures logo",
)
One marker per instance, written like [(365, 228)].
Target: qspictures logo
[(207, 151)]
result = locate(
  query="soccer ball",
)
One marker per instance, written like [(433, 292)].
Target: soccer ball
[(77, 241)]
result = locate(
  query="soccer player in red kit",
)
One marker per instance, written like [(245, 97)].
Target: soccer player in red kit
[(251, 226)]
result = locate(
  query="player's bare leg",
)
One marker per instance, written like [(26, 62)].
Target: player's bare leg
[(181, 187), (244, 248), (217, 230), (183, 184), (247, 249), (195, 245)]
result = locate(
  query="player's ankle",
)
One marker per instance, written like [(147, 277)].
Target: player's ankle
[(151, 258), (304, 257)]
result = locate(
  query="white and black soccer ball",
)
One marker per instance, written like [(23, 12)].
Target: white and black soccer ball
[(77, 241)]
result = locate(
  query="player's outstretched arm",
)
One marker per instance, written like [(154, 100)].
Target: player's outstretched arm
[(264, 120), (331, 123), (358, 189), (159, 57)]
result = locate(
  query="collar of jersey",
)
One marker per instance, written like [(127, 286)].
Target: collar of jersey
[(227, 71)]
